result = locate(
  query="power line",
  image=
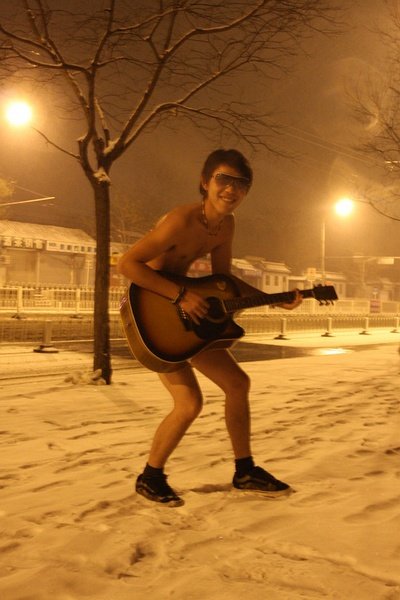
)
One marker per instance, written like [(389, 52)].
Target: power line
[(27, 201), (316, 140)]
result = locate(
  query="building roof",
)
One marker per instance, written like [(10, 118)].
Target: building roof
[(307, 276), (245, 266), (53, 233), (268, 265)]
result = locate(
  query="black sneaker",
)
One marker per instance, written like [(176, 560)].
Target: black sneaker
[(260, 480), (158, 490)]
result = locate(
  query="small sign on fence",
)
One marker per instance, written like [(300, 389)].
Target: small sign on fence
[(374, 305)]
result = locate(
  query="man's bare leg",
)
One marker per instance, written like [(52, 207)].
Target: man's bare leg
[(187, 398), (221, 368)]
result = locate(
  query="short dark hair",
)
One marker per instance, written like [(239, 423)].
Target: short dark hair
[(233, 158)]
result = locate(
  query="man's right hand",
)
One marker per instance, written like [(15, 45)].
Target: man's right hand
[(194, 305)]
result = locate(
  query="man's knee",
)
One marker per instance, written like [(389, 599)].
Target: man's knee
[(239, 384), (190, 407)]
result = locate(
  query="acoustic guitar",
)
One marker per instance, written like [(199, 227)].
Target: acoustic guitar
[(162, 336)]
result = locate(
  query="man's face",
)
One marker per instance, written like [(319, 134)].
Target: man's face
[(226, 188)]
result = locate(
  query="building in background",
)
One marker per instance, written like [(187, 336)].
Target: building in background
[(268, 276), (45, 255), (274, 275), (48, 255), (311, 276)]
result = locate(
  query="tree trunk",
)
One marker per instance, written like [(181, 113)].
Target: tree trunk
[(102, 352)]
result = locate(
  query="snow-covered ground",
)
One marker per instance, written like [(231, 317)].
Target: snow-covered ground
[(72, 528)]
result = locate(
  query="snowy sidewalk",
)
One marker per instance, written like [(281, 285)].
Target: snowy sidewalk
[(73, 529), (18, 361)]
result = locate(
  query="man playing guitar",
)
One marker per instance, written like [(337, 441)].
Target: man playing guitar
[(186, 233)]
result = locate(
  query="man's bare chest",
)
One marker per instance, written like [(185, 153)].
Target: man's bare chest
[(192, 246)]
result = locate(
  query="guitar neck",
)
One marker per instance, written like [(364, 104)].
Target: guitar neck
[(262, 299)]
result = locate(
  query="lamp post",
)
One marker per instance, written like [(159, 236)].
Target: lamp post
[(343, 208), (323, 251)]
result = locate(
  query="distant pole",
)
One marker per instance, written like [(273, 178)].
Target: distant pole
[(282, 335), (46, 346), (323, 249)]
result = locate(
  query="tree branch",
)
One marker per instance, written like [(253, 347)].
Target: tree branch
[(51, 143)]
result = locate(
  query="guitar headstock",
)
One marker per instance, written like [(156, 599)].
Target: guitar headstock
[(325, 294)]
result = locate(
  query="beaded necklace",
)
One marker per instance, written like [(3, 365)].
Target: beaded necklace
[(205, 222)]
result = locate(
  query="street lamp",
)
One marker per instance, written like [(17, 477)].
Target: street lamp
[(18, 113), (343, 208)]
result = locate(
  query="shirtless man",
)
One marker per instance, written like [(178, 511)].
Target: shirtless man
[(183, 235)]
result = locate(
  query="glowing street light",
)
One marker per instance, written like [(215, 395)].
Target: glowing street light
[(343, 208), (18, 113)]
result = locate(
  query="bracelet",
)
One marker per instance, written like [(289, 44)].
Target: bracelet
[(180, 295)]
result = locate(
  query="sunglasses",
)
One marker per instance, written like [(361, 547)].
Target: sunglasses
[(224, 180)]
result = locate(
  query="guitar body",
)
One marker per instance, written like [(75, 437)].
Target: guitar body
[(160, 334), (163, 337)]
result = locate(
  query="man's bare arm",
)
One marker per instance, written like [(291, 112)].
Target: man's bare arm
[(134, 263), (134, 266)]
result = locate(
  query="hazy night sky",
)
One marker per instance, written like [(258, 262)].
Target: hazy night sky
[(281, 219)]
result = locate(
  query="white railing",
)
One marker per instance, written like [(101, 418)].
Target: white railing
[(76, 300), (43, 329), (30, 299)]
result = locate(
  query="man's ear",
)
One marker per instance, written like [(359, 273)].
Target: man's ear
[(204, 184)]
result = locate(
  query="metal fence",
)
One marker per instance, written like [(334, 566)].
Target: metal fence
[(31, 314), (52, 328), (27, 299), (324, 324), (33, 299), (38, 329)]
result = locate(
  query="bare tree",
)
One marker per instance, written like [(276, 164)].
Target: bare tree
[(6, 192), (6, 188), (376, 104), (127, 218), (125, 66)]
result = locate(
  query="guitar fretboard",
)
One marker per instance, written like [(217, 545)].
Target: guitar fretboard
[(234, 304)]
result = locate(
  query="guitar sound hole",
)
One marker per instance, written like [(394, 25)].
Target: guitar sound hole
[(215, 310), (213, 325)]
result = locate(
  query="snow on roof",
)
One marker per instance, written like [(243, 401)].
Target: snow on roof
[(268, 265), (45, 232), (241, 263)]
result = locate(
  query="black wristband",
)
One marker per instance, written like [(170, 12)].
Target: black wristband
[(180, 295)]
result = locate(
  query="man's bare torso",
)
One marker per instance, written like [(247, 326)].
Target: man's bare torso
[(190, 242)]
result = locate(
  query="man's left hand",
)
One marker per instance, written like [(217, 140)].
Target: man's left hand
[(297, 300)]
